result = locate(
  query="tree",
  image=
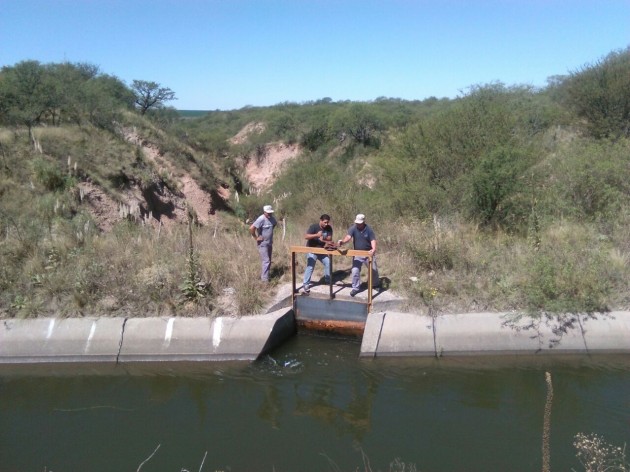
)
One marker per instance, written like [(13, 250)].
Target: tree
[(32, 94), (102, 99), (68, 81), (27, 93), (151, 95)]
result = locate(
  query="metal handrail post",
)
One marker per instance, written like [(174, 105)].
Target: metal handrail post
[(293, 280), (369, 283), (330, 278)]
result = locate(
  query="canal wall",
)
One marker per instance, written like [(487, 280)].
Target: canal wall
[(387, 333), (406, 334), (119, 340)]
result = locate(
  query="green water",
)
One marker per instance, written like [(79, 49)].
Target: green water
[(312, 405)]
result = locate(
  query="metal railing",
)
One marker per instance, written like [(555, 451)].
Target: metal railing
[(330, 253)]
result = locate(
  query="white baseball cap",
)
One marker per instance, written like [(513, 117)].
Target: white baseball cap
[(360, 219), (268, 209)]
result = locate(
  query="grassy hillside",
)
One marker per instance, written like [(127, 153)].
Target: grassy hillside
[(505, 198)]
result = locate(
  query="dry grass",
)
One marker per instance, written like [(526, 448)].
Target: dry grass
[(445, 266)]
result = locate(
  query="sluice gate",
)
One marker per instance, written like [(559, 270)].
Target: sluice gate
[(329, 307)]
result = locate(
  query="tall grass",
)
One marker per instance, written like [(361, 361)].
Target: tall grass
[(69, 267)]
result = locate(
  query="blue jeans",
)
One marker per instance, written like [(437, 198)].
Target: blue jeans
[(357, 263), (310, 265)]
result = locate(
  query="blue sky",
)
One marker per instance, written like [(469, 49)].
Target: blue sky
[(227, 54)]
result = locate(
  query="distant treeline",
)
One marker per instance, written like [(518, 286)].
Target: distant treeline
[(33, 94)]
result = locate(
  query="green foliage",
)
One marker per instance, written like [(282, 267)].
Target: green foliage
[(316, 186), (102, 101), (315, 138), (27, 93), (495, 178), (468, 156), (599, 94), (164, 117), (427, 256), (358, 121), (586, 181), (51, 177), (32, 93), (569, 274), (193, 288)]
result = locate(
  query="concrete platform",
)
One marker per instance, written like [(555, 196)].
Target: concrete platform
[(406, 334), (382, 299)]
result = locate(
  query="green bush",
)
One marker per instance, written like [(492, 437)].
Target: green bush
[(496, 177), (599, 94), (585, 181), (569, 274), (51, 177)]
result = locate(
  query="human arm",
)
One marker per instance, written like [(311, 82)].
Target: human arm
[(315, 232), (310, 236), (253, 231), (344, 240), (372, 237)]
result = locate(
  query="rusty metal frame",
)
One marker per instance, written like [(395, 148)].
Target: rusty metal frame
[(330, 253)]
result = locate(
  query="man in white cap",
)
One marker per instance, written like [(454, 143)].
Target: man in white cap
[(364, 240), (262, 231)]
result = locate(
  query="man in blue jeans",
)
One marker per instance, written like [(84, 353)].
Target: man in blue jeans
[(317, 235), (364, 240)]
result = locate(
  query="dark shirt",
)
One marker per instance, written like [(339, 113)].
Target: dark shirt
[(362, 238), (327, 232)]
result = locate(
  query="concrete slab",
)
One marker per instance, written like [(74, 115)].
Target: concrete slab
[(60, 340), (398, 334), (249, 337), (481, 333), (199, 339), (601, 333), (372, 334), (142, 339), (608, 333), (153, 339)]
